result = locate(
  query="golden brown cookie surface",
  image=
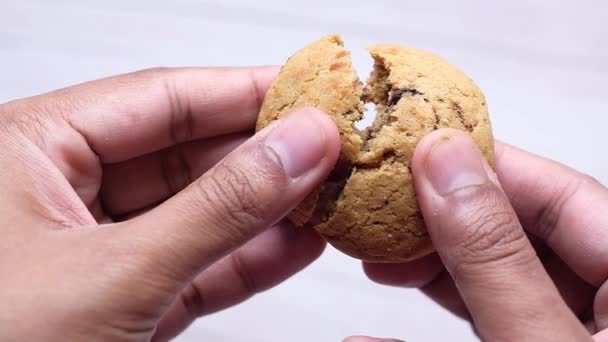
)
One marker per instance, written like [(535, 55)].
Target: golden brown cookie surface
[(368, 206)]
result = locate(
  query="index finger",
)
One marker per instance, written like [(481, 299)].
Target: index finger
[(129, 115), (563, 207)]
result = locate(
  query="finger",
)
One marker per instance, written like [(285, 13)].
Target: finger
[(369, 339), (251, 189), (258, 266), (126, 116), (601, 336), (577, 293), (549, 199), (443, 291), (135, 184), (481, 243), (429, 275), (415, 274), (600, 308)]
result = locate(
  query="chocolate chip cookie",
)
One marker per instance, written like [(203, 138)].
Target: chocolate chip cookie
[(367, 207)]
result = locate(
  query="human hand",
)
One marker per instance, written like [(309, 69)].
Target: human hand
[(549, 285), (125, 210)]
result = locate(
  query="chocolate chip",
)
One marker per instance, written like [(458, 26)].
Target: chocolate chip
[(437, 120), (389, 155), (456, 107), (460, 114), (396, 94), (341, 170)]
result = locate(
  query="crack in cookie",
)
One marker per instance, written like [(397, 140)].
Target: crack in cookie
[(367, 207)]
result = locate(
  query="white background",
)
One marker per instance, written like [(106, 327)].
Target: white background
[(542, 64)]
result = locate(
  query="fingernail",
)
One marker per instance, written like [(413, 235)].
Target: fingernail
[(454, 163), (299, 142)]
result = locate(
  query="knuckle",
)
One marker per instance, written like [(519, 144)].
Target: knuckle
[(153, 72), (549, 217), (181, 120), (256, 90), (238, 196), (176, 171), (5, 113), (488, 228), (243, 274), (193, 300), (32, 117), (234, 195)]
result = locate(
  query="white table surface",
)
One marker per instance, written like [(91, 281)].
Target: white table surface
[(542, 64)]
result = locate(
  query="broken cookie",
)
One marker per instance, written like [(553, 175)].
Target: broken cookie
[(367, 207)]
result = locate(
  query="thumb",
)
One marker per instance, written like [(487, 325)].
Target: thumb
[(250, 190), (483, 246)]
